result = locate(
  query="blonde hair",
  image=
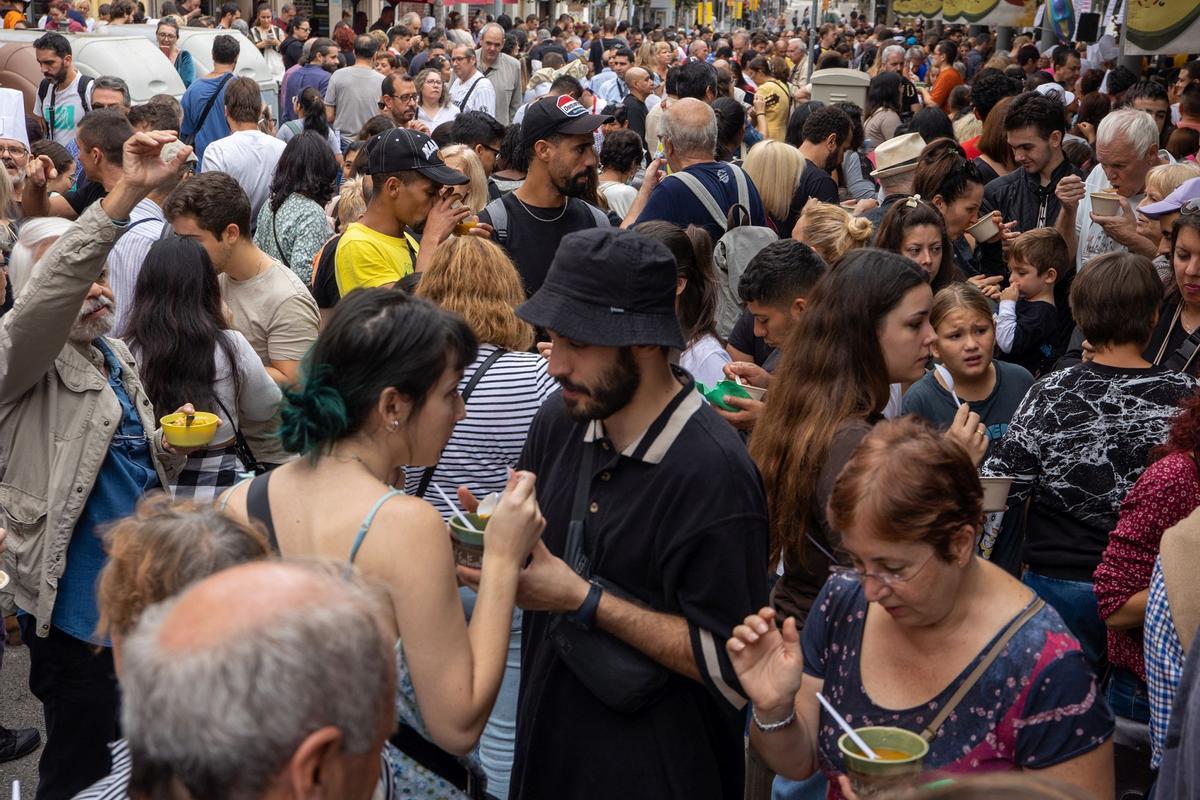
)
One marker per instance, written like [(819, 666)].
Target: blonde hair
[(474, 277), (463, 159), (647, 57), (161, 549), (352, 201), (775, 167), (831, 231), (1166, 178)]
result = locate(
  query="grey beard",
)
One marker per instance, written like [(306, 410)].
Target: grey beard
[(85, 331)]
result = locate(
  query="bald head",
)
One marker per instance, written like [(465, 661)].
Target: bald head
[(240, 600), (639, 82), (197, 711), (689, 128)]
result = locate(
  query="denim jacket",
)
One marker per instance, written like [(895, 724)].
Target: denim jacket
[(58, 415)]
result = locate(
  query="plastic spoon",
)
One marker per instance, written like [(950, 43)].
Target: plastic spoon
[(454, 509), (16, 794), (854, 737), (947, 379)]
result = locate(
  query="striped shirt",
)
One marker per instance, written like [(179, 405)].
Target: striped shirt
[(489, 441), (115, 786)]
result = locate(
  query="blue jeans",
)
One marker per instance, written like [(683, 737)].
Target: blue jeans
[(500, 734), (1075, 602), (1127, 695), (811, 788)]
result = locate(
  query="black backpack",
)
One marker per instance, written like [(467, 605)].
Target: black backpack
[(324, 282)]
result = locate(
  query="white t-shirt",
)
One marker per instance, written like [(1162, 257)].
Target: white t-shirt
[(250, 157), (619, 196), (481, 98), (444, 114), (68, 110), (705, 359)]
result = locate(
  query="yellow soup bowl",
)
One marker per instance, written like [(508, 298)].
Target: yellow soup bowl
[(199, 433)]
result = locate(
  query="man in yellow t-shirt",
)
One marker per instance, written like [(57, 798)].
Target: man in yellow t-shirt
[(408, 179)]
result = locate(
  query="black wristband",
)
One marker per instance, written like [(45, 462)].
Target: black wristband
[(585, 615)]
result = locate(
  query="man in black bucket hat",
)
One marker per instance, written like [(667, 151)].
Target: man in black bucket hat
[(626, 688)]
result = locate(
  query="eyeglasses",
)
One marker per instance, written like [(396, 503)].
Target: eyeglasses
[(494, 150), (14, 150), (406, 98), (457, 59), (1191, 207), (167, 37), (886, 578)]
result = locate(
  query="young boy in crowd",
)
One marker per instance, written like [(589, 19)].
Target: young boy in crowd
[(773, 287), (1028, 318)]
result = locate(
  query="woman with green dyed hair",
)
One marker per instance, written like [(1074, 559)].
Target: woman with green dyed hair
[(380, 394)]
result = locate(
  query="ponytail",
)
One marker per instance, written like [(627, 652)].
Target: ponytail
[(312, 110)]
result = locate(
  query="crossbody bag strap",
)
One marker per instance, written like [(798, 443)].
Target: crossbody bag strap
[(573, 553), (703, 195), (240, 445), (992, 654), (476, 377), (211, 100), (470, 91), (275, 230)]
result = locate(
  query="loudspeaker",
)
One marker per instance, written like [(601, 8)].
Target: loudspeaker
[(1088, 28)]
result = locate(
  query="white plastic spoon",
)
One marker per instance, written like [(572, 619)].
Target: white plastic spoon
[(854, 737), (454, 509)]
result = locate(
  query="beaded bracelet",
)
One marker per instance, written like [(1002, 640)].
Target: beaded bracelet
[(771, 727)]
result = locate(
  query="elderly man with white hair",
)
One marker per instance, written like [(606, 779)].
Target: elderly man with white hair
[(697, 182), (14, 139), (1126, 148), (502, 71), (303, 661), (470, 90)]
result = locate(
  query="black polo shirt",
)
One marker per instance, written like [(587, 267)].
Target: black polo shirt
[(678, 520)]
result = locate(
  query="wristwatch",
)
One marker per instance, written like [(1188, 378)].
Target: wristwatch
[(585, 615)]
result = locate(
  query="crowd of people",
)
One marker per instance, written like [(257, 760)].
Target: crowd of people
[(761, 399)]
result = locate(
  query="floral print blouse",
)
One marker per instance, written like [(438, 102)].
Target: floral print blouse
[(1036, 706), (302, 229)]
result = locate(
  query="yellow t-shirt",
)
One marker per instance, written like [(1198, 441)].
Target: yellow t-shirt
[(365, 258), (778, 102)]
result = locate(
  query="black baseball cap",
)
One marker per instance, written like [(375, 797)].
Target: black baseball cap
[(402, 149), (547, 116)]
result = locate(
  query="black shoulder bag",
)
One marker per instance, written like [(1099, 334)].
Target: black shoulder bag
[(619, 675), (241, 447), (427, 475)]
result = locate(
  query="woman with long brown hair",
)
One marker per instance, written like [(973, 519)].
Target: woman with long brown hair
[(865, 326)]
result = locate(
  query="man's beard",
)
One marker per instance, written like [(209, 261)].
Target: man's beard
[(573, 186), (86, 330), (615, 390)]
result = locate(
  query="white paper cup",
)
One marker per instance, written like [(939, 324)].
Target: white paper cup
[(995, 493), (3, 579), (984, 230), (1105, 205), (754, 392)]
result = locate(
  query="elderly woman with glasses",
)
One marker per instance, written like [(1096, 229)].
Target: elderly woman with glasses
[(917, 632), (167, 34)]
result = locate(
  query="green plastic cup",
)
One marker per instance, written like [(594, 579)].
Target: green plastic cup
[(903, 758), (468, 544)]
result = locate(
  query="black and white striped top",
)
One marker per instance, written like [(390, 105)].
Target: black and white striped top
[(488, 442), (115, 785)]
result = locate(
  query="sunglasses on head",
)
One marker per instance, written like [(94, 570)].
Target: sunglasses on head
[(1190, 207)]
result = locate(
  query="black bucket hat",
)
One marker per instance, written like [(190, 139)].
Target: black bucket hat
[(609, 287)]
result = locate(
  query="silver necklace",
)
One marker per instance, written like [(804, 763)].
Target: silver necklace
[(566, 204)]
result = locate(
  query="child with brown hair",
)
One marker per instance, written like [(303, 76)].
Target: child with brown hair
[(1028, 318)]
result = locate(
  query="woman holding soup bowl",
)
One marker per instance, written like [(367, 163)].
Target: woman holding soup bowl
[(901, 625)]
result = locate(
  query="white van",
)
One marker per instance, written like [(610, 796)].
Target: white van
[(199, 42), (131, 58)]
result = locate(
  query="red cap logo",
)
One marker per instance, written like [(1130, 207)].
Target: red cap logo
[(569, 107)]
